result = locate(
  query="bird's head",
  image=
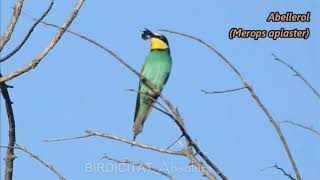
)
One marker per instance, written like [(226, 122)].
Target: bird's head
[(157, 41)]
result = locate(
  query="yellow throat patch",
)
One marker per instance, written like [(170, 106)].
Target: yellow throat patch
[(158, 44)]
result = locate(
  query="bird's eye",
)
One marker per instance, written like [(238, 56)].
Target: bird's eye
[(145, 36)]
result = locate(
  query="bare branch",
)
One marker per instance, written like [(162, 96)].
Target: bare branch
[(281, 169), (28, 34), (220, 92), (174, 142), (68, 138), (301, 126), (50, 167), (139, 164), (253, 95), (90, 133), (180, 123), (118, 58), (14, 18), (177, 119), (12, 131), (200, 165), (297, 74), (53, 42)]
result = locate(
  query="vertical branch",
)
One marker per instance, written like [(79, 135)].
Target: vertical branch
[(12, 132), (14, 18), (253, 95)]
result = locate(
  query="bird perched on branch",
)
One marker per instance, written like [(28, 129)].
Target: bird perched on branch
[(156, 70)]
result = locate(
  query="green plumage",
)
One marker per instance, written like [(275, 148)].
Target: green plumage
[(156, 69)]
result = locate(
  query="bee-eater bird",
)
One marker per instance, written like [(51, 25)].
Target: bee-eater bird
[(156, 69)]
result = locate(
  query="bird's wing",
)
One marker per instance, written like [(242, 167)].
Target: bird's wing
[(157, 74), (145, 98)]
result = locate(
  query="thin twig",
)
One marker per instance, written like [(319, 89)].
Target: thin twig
[(177, 119), (301, 126), (90, 133), (11, 133), (174, 142), (139, 164), (91, 41), (253, 95), (297, 74), (14, 18), (220, 92), (68, 138), (281, 169), (28, 34), (53, 42), (50, 167)]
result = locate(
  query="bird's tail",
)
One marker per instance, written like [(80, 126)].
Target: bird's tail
[(140, 119)]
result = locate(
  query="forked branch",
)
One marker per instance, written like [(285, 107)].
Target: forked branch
[(53, 42), (28, 34), (280, 169)]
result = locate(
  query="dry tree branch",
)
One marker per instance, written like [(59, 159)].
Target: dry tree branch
[(205, 171), (301, 126), (53, 42), (220, 92), (253, 95), (28, 34), (14, 18), (50, 167), (24, 149), (68, 138), (12, 131), (93, 133), (297, 74), (281, 169), (90, 133), (139, 164), (177, 119), (183, 152), (175, 142)]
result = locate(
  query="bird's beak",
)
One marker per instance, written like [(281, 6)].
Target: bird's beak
[(146, 34)]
